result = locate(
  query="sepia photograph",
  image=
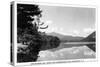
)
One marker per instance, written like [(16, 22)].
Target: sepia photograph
[(55, 33)]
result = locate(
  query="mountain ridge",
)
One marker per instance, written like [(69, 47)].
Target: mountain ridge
[(66, 37), (90, 37)]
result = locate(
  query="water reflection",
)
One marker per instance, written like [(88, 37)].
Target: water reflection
[(67, 51)]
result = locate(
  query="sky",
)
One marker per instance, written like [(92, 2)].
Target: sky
[(75, 21)]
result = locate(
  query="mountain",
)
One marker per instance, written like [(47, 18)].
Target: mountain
[(66, 37), (90, 37)]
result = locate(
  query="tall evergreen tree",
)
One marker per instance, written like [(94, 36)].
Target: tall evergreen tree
[(28, 23)]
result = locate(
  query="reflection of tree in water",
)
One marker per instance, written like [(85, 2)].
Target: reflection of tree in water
[(28, 23)]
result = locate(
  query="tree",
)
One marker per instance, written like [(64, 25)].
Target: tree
[(28, 23), (28, 18)]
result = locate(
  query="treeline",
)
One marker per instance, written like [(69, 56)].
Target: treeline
[(35, 43), (29, 36), (49, 42)]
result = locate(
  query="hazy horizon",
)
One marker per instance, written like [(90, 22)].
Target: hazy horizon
[(75, 21)]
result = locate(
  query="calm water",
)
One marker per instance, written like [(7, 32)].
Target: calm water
[(80, 43), (69, 50), (72, 44)]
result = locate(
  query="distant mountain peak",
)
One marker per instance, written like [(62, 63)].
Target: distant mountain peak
[(90, 37)]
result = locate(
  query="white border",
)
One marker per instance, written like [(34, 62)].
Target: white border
[(55, 61)]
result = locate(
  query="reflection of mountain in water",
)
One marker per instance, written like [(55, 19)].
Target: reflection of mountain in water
[(91, 38), (66, 38)]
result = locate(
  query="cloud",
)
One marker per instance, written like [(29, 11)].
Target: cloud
[(49, 30), (88, 30), (54, 29), (48, 22), (76, 32), (61, 29)]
